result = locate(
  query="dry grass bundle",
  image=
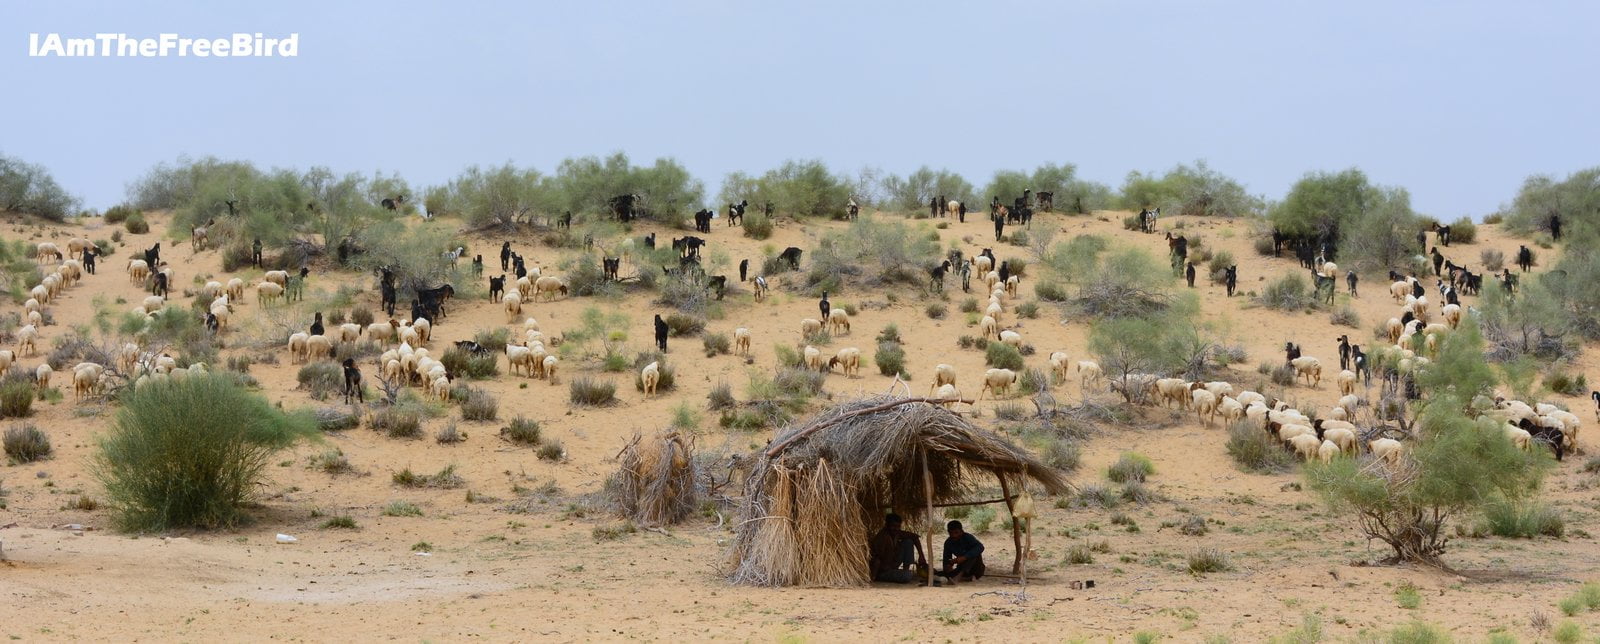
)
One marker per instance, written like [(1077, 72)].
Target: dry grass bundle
[(656, 482), (810, 497)]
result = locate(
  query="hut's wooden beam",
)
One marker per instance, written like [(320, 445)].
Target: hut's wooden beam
[(1016, 530), (985, 502), (927, 490), (777, 449)]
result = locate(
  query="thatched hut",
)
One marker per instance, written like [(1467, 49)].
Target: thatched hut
[(813, 496)]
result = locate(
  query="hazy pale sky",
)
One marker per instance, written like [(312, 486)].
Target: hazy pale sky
[(1457, 101)]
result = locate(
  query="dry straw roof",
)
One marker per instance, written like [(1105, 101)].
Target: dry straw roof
[(812, 496)]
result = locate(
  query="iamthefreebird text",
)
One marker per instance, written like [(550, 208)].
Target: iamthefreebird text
[(236, 45)]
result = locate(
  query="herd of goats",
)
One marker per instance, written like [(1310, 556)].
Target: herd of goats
[(1413, 335)]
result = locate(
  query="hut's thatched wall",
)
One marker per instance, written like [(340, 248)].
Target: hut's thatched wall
[(811, 499)]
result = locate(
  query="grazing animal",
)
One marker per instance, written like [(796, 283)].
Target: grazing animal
[(849, 358), (1309, 368), (741, 341), (1088, 372), (839, 322), (550, 286), (650, 376), (997, 382), (661, 333), (497, 288), (352, 382)]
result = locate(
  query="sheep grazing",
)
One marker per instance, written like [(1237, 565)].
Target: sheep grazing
[(41, 375), (1173, 390), (548, 368), (138, 271), (838, 321), (281, 278), (297, 347), (513, 304), (1387, 450), (519, 357), (650, 375), (989, 326), (1327, 451), (1518, 436), (813, 358), (949, 394), (47, 251), (424, 329), (1059, 363), (997, 382), (1451, 314), (1347, 382), (849, 358), (943, 374), (549, 286), (994, 310), (741, 341), (1399, 290), (27, 340), (86, 379), (1307, 446), (235, 289), (1011, 338), (1204, 404), (1088, 372), (382, 332), (810, 327), (1309, 368), (1230, 409), (7, 357), (525, 286), (268, 292)]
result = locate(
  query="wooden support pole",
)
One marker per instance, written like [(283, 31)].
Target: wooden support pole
[(1016, 530), (927, 490)]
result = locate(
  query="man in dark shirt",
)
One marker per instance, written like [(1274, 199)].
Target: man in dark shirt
[(892, 550), (963, 555)]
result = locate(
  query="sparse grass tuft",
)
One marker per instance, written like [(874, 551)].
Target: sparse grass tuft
[(402, 509), (1207, 560), (1131, 466), (589, 392), (523, 431), (26, 444), (445, 478), (1254, 451)]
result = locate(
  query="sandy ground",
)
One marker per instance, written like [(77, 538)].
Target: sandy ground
[(497, 575)]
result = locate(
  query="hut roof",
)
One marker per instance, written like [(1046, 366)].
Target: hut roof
[(813, 493)]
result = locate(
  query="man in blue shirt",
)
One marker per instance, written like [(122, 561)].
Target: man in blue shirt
[(963, 555)]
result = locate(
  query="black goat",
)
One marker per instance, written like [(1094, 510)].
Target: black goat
[(792, 256), (352, 382), (497, 288)]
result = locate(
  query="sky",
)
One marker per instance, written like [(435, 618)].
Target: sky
[(1456, 101)]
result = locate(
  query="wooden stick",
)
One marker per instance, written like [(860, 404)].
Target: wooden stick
[(1016, 530), (951, 505), (927, 490), (776, 449)]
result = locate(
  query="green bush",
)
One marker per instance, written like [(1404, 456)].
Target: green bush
[(1217, 266), (1288, 293), (449, 435), (551, 450), (721, 397), (667, 380), (479, 405), (716, 344), (402, 509), (1051, 292), (398, 422), (26, 444), (1207, 560), (1567, 384), (1002, 356), (1079, 554), (495, 340), (1130, 467), (935, 311), (1463, 231), (340, 523), (445, 478), (679, 324), (757, 225), (191, 453), (16, 397), (320, 379), (1094, 495), (136, 224), (1063, 455), (1526, 520), (1493, 260), (119, 213), (1418, 633), (1254, 451), (461, 362), (589, 392), (890, 358), (523, 431), (1345, 316), (969, 305)]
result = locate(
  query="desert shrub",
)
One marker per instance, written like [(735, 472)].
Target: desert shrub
[(890, 358), (446, 478), (1527, 519), (1130, 466), (680, 324), (461, 362), (1051, 292), (119, 213), (332, 461), (716, 344), (969, 305), (980, 519), (1194, 526), (363, 317), (613, 531), (1207, 560), (1002, 356), (935, 311), (798, 383), (757, 225), (1255, 451), (1137, 492), (1063, 455), (668, 375), (1567, 384), (479, 405), (1493, 260), (1463, 231), (721, 397), (191, 453), (1345, 316), (1028, 310), (871, 252), (495, 340), (342, 522), (1079, 554), (589, 392), (333, 419), (402, 509), (16, 397), (398, 422), (320, 379), (1217, 265), (1095, 495), (1288, 293), (26, 444), (551, 450), (524, 431), (235, 256)]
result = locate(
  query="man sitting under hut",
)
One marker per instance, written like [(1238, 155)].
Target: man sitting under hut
[(963, 555), (892, 550)]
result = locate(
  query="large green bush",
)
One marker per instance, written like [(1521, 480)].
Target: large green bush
[(191, 453), (1190, 190), (796, 188), (29, 188)]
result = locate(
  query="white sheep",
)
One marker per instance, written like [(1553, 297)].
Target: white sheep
[(382, 332), (550, 286), (1518, 436), (949, 394), (1230, 409), (943, 374), (1088, 372), (1059, 363), (838, 322), (813, 358), (7, 357), (424, 329), (1247, 397), (27, 339), (41, 375), (741, 341), (513, 304), (349, 332), (1309, 368), (1347, 382), (989, 326), (235, 289), (810, 327), (549, 368), (1011, 338), (297, 347), (1306, 445), (1386, 449), (281, 278), (268, 292), (997, 382), (650, 375), (1204, 404), (1327, 451), (1219, 388), (849, 358), (138, 271), (1173, 390)]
